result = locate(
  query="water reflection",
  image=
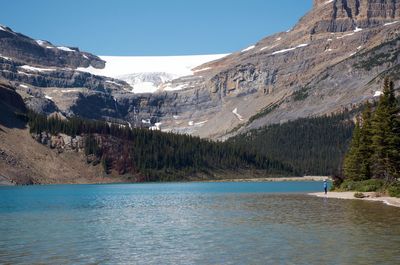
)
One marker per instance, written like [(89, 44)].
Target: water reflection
[(173, 225)]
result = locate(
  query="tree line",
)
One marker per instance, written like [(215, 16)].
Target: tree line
[(153, 153), (313, 146), (374, 152)]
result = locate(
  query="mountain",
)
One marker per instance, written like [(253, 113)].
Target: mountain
[(60, 150), (38, 52), (23, 160), (333, 59)]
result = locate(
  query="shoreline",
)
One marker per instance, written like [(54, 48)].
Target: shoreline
[(264, 179), (272, 179), (349, 195)]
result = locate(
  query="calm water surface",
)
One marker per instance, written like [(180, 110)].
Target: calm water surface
[(193, 223)]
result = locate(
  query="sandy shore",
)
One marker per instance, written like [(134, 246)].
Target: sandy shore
[(305, 178), (372, 196)]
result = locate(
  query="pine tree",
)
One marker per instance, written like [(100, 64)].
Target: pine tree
[(352, 161), (394, 135), (385, 135), (365, 145)]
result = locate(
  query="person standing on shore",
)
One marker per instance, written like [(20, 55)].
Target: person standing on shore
[(325, 186)]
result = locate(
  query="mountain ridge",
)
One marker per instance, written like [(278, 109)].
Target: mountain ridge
[(332, 59)]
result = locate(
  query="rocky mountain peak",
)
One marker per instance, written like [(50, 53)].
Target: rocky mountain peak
[(33, 52), (346, 15)]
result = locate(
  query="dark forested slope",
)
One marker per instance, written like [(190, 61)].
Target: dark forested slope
[(154, 155), (313, 146)]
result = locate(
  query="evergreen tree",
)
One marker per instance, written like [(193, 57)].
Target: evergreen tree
[(352, 161), (365, 144), (385, 135)]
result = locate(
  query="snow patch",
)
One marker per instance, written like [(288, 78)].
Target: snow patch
[(268, 47), (191, 123), (40, 42), (202, 69), (290, 49), (147, 121), (4, 57), (175, 117), (144, 87), (345, 35), (201, 123), (176, 88), (156, 127), (66, 49), (48, 97), (249, 48), (36, 69), (378, 93), (112, 82), (44, 44), (390, 23), (3, 28), (19, 72), (24, 86), (70, 90), (84, 56), (358, 29), (235, 111), (329, 1)]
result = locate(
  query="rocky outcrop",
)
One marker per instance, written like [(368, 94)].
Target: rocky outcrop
[(61, 142), (10, 99), (43, 53), (55, 77)]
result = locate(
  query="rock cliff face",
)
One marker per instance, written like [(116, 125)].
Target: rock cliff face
[(10, 100), (285, 76), (334, 58), (345, 15)]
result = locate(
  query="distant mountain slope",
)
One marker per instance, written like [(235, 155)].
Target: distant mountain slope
[(38, 52), (25, 161), (58, 150), (332, 59), (290, 74)]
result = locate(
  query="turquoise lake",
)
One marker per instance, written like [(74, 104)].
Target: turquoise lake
[(193, 223)]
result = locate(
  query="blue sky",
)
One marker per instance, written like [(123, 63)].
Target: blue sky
[(152, 27)]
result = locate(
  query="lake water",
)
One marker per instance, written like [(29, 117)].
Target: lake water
[(193, 223)]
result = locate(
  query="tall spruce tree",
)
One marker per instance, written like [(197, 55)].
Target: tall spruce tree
[(394, 136), (365, 151), (385, 135), (352, 160)]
